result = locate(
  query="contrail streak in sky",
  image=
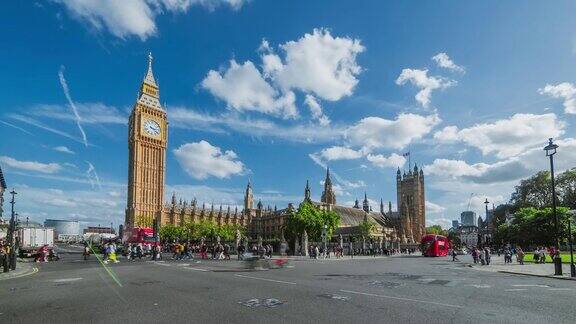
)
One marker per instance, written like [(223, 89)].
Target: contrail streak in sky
[(72, 105)]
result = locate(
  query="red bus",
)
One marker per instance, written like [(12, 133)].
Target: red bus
[(433, 245), (144, 235)]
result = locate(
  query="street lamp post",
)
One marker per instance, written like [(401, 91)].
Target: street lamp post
[(550, 151), (485, 224), (10, 236), (570, 241), (324, 234)]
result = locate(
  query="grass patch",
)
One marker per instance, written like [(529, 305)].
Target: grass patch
[(529, 257)]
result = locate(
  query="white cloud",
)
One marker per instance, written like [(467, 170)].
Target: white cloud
[(444, 61), (340, 153), (316, 110), (508, 170), (564, 90), (63, 149), (93, 176), (242, 87), (317, 63), (392, 161), (432, 208), (92, 113), (202, 160), (426, 84), (77, 117), (30, 165), (260, 128), (376, 132), (506, 137), (133, 17)]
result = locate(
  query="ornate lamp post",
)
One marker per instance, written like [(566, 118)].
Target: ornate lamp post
[(550, 151)]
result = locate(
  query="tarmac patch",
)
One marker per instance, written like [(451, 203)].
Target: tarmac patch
[(336, 297)]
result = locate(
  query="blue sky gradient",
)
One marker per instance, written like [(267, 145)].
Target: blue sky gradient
[(507, 53)]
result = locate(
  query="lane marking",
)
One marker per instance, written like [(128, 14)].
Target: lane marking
[(162, 264), (480, 286), (197, 269), (539, 286), (516, 289), (400, 298), (34, 270), (266, 279), (66, 280)]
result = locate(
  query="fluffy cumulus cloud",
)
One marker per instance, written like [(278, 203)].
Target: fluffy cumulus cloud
[(340, 153), (30, 165), (317, 63), (376, 132), (432, 208), (320, 65), (564, 90), (242, 87), (506, 137), (510, 169), (316, 110), (394, 160), (202, 160), (133, 17), (426, 84), (444, 61)]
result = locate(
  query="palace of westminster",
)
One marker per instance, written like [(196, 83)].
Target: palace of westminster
[(147, 142)]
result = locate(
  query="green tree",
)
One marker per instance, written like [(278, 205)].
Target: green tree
[(566, 188), (367, 228), (311, 219), (533, 192), (436, 229)]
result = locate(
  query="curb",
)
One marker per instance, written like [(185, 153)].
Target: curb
[(537, 275)]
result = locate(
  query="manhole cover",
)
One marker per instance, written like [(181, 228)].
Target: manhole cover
[(255, 302)]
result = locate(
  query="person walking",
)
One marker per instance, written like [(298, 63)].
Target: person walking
[(520, 255), (487, 255), (454, 256)]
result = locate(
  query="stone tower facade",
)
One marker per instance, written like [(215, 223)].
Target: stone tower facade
[(411, 204), (147, 141), (328, 196), (248, 197), (366, 203)]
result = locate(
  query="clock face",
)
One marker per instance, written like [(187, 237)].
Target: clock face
[(152, 127)]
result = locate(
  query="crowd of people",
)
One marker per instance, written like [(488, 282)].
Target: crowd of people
[(483, 256)]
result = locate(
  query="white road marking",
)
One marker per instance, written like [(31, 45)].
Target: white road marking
[(539, 286), (516, 289), (265, 279), (426, 280), (196, 269), (400, 298), (480, 286), (183, 264), (162, 264), (562, 289), (67, 280)]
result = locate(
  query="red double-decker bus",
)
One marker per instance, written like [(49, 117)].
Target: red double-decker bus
[(433, 245)]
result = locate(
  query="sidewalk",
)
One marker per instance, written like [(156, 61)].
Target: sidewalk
[(529, 269), (22, 269)]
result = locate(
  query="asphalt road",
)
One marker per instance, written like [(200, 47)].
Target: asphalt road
[(383, 290)]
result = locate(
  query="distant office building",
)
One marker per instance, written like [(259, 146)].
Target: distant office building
[(99, 230), (468, 218), (455, 224), (64, 230)]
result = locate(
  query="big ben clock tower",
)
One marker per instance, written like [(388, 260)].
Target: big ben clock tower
[(147, 141)]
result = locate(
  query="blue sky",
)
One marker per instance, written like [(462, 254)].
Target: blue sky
[(273, 91)]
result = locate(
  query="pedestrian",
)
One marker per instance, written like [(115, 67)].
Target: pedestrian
[(86, 252), (487, 255), (454, 254), (520, 255), (475, 255)]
